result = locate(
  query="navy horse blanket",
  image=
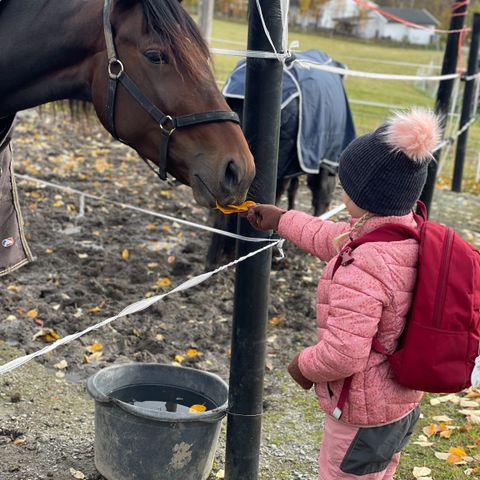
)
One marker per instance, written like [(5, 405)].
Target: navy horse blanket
[(316, 120)]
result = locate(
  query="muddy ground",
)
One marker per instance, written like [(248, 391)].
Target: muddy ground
[(91, 262)]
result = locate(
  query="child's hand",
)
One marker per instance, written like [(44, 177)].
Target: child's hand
[(296, 374), (264, 217)]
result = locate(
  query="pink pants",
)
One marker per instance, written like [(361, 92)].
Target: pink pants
[(336, 441)]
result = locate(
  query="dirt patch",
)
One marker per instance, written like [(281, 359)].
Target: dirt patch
[(94, 261)]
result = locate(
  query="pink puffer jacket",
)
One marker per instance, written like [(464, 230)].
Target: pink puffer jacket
[(370, 297)]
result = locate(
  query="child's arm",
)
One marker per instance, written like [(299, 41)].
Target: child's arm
[(357, 297), (311, 234)]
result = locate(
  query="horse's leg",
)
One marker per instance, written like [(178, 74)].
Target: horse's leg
[(322, 186), (282, 184), (292, 192), (221, 246)]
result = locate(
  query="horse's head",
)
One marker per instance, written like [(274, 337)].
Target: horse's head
[(162, 51)]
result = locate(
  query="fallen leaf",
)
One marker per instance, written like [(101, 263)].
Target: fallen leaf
[(48, 335), (277, 320), (32, 313), (20, 441), (446, 434), (421, 472), (151, 226), (179, 358), (94, 347), (442, 418), (77, 474), (162, 282), (197, 408), (451, 397), (62, 364), (193, 352), (93, 357), (135, 332), (220, 474)]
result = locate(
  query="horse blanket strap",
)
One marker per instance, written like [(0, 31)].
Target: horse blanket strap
[(14, 251)]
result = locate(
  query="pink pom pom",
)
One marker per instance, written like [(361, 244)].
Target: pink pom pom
[(416, 133)]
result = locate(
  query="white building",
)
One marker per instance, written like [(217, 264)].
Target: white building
[(346, 16)]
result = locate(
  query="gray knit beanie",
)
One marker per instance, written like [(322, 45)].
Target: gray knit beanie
[(384, 171)]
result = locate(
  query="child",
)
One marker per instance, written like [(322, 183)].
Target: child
[(382, 174)]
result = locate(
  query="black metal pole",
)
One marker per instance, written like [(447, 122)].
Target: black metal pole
[(467, 105), (261, 120), (450, 59)]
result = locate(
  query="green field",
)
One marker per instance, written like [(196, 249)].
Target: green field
[(370, 57)]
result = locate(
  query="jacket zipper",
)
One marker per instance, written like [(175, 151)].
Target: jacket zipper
[(439, 301)]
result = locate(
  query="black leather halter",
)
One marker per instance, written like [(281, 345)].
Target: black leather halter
[(167, 123)]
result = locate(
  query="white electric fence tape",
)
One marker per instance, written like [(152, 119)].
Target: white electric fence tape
[(84, 195), (147, 302)]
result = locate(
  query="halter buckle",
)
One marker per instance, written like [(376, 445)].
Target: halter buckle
[(111, 63), (167, 129)]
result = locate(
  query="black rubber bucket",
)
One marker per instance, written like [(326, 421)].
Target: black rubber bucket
[(136, 440)]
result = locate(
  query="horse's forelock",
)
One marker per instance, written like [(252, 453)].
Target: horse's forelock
[(179, 34)]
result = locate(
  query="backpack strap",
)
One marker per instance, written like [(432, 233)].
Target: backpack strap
[(390, 232)]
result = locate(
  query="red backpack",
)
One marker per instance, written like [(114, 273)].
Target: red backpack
[(437, 349)]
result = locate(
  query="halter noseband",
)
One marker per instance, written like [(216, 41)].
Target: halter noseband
[(167, 123)]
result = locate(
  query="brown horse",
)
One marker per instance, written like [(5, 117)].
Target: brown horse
[(134, 60)]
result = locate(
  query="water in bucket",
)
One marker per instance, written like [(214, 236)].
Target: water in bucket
[(164, 398)]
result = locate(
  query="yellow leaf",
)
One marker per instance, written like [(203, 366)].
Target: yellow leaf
[(452, 458), (242, 207), (125, 254), (277, 320), (151, 226), (32, 313), (430, 430), (135, 332), (162, 282), (13, 288), (57, 204), (94, 347), (457, 451), (197, 408), (94, 357), (48, 335), (179, 358), (446, 434), (193, 352)]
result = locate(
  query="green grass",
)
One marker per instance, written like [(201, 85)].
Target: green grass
[(358, 55), (293, 424)]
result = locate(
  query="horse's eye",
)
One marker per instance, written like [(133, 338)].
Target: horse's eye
[(156, 56)]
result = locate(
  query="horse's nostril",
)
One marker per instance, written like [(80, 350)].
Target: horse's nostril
[(232, 174)]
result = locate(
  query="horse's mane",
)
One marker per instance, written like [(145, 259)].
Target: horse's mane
[(179, 33)]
